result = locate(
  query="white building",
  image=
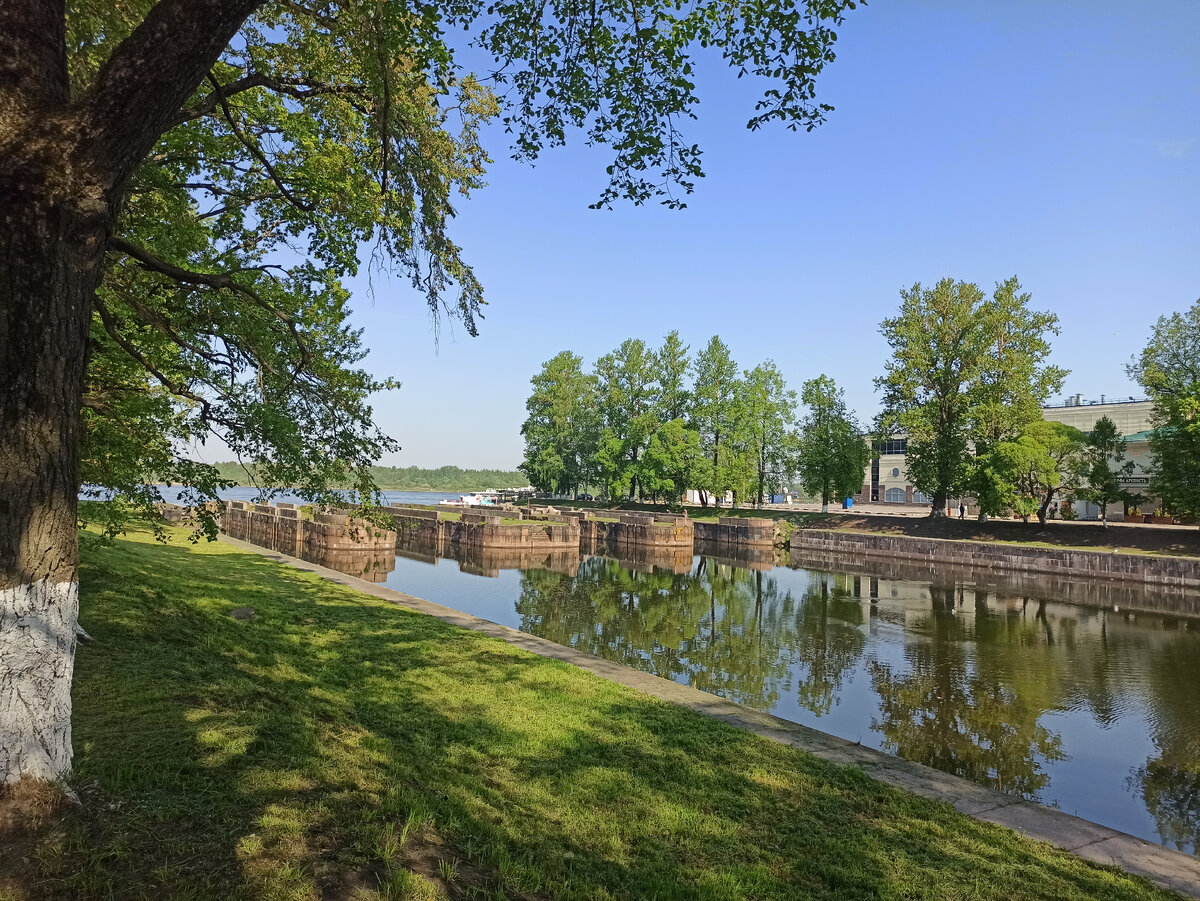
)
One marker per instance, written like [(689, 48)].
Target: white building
[(885, 480)]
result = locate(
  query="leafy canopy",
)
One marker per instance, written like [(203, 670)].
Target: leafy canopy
[(1169, 369), (326, 127)]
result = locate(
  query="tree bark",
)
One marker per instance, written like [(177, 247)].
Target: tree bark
[(64, 165), (50, 260)]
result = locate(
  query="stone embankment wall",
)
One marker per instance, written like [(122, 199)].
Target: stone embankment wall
[(754, 532), (281, 527), (485, 527), (652, 530), (1172, 572), (1116, 594)]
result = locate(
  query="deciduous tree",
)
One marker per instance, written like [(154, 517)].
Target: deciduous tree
[(832, 455), (1169, 369), (1105, 467), (714, 411), (169, 153), (939, 348), (561, 430), (768, 413)]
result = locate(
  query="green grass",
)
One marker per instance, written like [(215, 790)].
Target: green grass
[(337, 746)]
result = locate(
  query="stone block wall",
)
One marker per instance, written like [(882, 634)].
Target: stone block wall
[(644, 532), (1177, 572), (281, 528), (738, 530)]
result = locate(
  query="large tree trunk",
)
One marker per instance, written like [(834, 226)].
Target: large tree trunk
[(64, 163), (50, 258), (940, 499)]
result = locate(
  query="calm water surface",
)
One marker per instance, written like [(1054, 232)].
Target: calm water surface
[(1094, 709)]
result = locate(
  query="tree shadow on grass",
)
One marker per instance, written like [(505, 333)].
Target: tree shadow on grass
[(321, 747)]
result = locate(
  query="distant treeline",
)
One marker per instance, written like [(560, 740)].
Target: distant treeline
[(413, 478)]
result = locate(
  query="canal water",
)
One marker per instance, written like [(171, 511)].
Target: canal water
[(1092, 706)]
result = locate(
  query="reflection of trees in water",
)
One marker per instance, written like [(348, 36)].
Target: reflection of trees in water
[(1170, 784), (980, 721), (721, 628)]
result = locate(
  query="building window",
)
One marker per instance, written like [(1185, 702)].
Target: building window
[(891, 446), (894, 496), (919, 497), (895, 472)]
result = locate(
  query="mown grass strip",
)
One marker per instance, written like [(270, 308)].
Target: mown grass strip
[(337, 746)]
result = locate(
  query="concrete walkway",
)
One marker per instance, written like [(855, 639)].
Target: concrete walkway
[(1083, 838)]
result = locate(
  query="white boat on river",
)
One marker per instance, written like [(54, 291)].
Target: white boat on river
[(479, 499)]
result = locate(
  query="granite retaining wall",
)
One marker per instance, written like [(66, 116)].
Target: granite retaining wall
[(282, 527), (1172, 572), (738, 530)]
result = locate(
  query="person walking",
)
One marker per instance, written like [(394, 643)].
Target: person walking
[(962, 510)]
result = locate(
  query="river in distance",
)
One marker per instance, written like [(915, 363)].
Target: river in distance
[(1091, 706)]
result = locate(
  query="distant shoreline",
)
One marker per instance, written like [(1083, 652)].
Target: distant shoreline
[(413, 478)]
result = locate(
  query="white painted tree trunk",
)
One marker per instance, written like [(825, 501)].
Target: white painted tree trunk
[(37, 652)]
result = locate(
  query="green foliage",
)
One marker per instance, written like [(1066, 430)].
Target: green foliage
[(714, 413), (1169, 369), (562, 429), (729, 433), (320, 129), (627, 391), (832, 454), (967, 373), (673, 364), (406, 478), (766, 413), (674, 462), (1105, 467), (1046, 460)]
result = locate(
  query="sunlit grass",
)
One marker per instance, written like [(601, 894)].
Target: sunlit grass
[(337, 746)]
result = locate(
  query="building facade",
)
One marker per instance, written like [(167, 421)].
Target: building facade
[(885, 480)]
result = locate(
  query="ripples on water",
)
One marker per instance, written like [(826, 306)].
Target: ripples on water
[(1091, 706)]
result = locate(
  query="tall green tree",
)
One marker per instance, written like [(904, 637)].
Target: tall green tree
[(1013, 385), (768, 413), (674, 462), (939, 352), (561, 429), (967, 373), (159, 160), (714, 414), (1047, 460), (1105, 467), (832, 455), (673, 365), (1169, 370), (627, 389)]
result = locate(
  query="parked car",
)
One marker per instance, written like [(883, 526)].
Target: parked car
[(584, 497)]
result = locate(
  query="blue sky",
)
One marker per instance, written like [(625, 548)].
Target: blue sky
[(1058, 142)]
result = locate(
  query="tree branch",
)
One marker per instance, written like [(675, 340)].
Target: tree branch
[(149, 76), (257, 153), (214, 280)]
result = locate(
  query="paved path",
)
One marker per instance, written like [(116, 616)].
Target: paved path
[(1084, 838)]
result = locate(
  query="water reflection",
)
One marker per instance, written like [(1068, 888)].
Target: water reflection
[(1092, 708)]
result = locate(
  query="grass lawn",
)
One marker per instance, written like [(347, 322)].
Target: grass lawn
[(336, 746)]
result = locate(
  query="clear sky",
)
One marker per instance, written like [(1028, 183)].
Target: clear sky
[(1056, 141)]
